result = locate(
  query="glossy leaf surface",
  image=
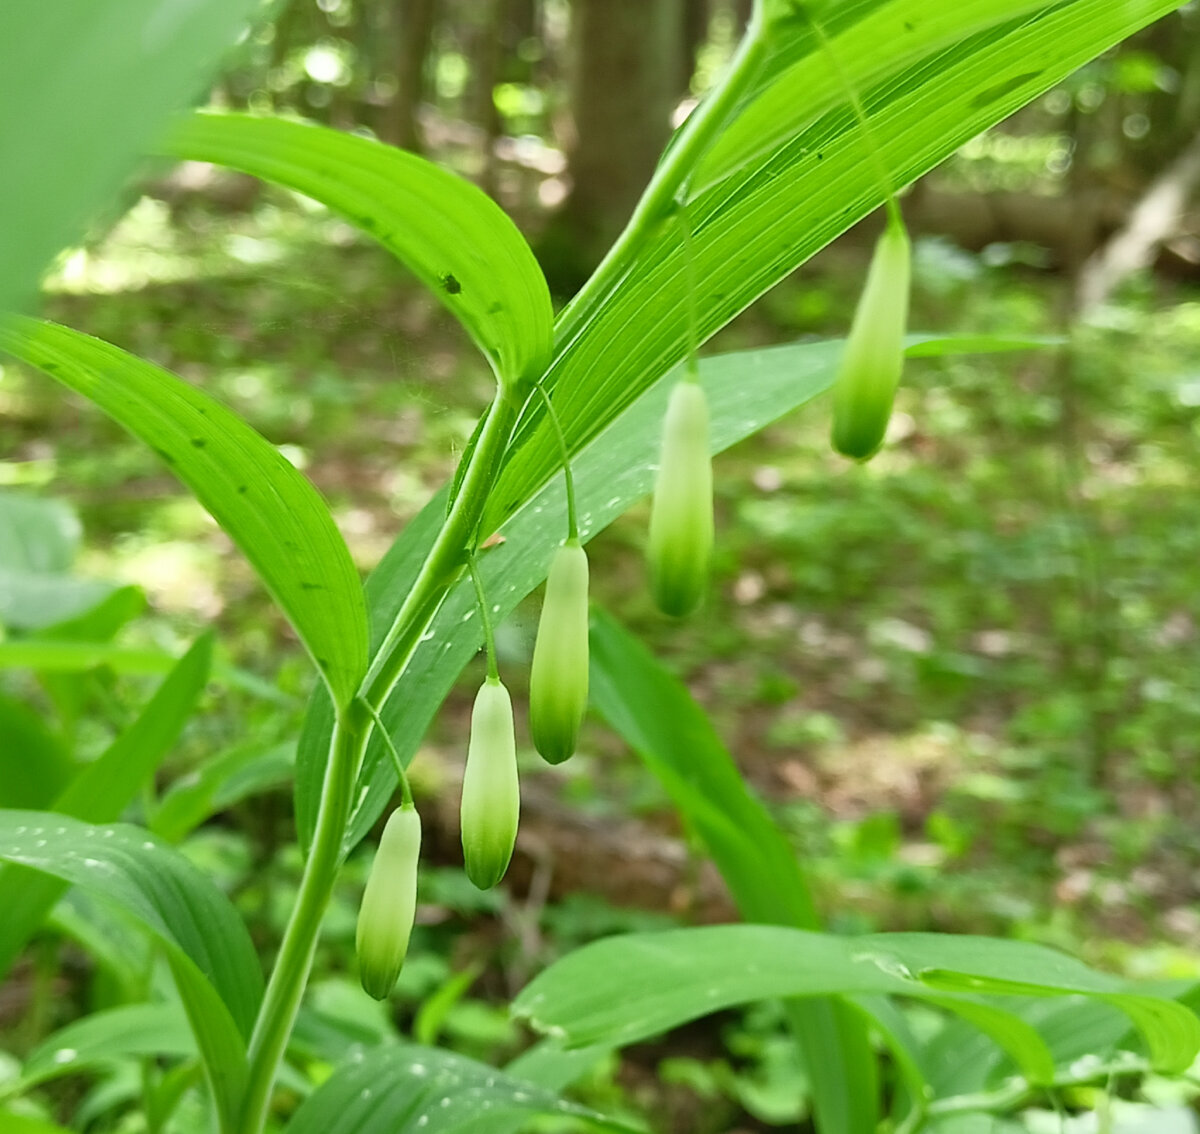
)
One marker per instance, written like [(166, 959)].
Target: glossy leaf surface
[(267, 507), (452, 236)]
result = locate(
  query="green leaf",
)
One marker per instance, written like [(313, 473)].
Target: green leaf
[(219, 783), (268, 509), (130, 1030), (654, 713), (53, 655), (93, 93), (452, 236), (657, 717), (34, 763), (210, 953), (24, 1124), (624, 989), (406, 1089), (102, 790), (38, 542), (630, 323), (746, 390)]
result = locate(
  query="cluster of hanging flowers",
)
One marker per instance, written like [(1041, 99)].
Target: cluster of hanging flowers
[(679, 548)]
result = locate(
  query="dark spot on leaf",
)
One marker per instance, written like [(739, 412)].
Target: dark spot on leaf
[(202, 411), (367, 223), (452, 286), (50, 367), (165, 456), (909, 25), (199, 442), (820, 157), (1007, 86), (495, 308), (305, 586), (243, 489)]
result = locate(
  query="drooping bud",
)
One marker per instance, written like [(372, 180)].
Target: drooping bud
[(558, 679), (389, 904), (491, 795), (874, 354), (681, 517)]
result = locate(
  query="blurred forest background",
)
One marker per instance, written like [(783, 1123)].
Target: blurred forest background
[(964, 676)]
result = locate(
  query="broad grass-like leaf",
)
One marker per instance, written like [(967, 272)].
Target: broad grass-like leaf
[(654, 713), (34, 762), (94, 84), (38, 542), (268, 509), (100, 791), (746, 391), (211, 955), (625, 989), (452, 236), (117, 1033), (630, 323), (410, 1089), (219, 783), (658, 718)]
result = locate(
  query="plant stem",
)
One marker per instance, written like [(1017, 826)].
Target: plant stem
[(485, 616), (438, 574), (860, 113), (447, 556), (564, 452), (676, 166), (286, 987)]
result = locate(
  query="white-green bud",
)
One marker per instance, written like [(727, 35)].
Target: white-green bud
[(681, 517), (874, 355), (558, 679), (389, 903), (491, 795)]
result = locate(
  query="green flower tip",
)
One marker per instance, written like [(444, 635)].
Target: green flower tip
[(389, 904), (874, 356), (681, 517), (558, 680), (491, 795)]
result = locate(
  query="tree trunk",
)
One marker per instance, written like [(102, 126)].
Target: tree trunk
[(623, 87), (412, 34)]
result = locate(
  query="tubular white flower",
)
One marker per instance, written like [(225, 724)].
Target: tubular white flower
[(491, 795), (558, 678), (874, 356), (681, 517), (385, 918)]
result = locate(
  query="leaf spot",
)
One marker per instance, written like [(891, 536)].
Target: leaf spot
[(452, 286)]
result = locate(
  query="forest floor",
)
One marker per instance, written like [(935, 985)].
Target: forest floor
[(963, 676)]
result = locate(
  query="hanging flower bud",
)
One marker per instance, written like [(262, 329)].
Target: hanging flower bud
[(874, 354), (558, 680), (681, 518), (491, 796), (389, 903)]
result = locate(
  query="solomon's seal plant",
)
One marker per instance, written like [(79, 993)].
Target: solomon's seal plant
[(770, 166)]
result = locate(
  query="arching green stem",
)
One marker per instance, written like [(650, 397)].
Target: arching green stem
[(485, 616), (568, 477)]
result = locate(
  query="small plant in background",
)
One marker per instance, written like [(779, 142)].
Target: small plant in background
[(765, 171)]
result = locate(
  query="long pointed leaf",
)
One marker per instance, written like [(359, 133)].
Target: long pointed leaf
[(628, 988), (210, 953), (102, 790), (269, 510), (454, 237)]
